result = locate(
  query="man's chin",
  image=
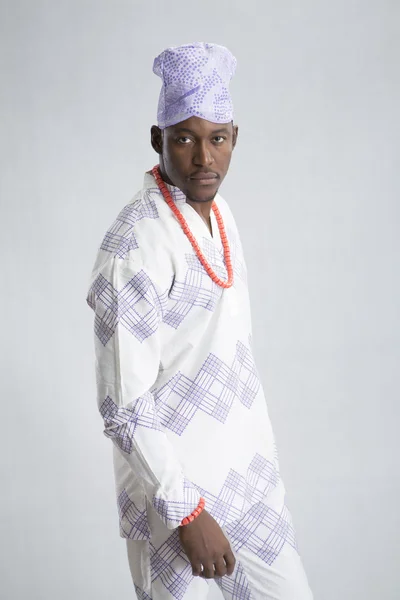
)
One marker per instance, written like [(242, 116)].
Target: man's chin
[(201, 195)]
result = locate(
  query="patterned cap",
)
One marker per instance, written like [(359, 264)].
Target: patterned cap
[(195, 83)]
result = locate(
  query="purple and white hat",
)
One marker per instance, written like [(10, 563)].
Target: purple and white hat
[(195, 79)]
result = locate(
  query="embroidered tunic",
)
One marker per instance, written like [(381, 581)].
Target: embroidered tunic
[(177, 386)]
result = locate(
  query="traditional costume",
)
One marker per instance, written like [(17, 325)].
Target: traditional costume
[(177, 385)]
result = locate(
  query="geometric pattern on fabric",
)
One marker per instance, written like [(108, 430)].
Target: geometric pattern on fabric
[(172, 511), (195, 82), (170, 566), (137, 306), (263, 531), (239, 491), (140, 594), (120, 237), (262, 477), (121, 422), (215, 257), (212, 391), (198, 289), (136, 518), (236, 585), (228, 506)]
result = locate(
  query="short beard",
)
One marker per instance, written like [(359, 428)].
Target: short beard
[(208, 199)]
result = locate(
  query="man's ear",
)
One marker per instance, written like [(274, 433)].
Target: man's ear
[(235, 135), (156, 138)]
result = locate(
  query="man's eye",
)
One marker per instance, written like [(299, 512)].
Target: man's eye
[(183, 140), (219, 139)]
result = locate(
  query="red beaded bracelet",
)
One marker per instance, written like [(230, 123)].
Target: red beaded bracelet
[(195, 513)]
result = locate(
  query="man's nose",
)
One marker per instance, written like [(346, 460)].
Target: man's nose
[(202, 156)]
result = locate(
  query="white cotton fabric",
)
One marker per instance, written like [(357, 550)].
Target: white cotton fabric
[(252, 578), (177, 385)]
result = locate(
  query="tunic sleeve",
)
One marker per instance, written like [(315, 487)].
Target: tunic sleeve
[(128, 309)]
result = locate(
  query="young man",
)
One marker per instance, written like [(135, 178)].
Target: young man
[(198, 486)]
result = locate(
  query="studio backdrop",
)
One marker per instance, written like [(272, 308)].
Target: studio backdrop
[(314, 188)]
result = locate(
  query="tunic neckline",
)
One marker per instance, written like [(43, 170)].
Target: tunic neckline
[(193, 217), (197, 225)]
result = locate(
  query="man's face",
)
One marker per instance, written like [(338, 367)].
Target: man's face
[(195, 155)]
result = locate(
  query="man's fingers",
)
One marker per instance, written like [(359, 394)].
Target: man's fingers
[(230, 562), (220, 568), (196, 569), (208, 571)]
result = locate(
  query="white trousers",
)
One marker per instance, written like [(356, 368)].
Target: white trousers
[(161, 571)]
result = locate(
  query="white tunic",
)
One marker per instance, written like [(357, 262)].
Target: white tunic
[(176, 381)]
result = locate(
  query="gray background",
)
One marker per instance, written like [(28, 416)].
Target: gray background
[(314, 188)]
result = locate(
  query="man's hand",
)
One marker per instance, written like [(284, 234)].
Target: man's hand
[(206, 546)]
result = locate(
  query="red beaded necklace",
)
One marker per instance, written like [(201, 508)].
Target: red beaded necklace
[(227, 254)]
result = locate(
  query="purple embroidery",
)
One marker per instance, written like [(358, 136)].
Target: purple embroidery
[(171, 512), (263, 531), (238, 491), (195, 81), (170, 566), (198, 289), (120, 237), (141, 595), (212, 391), (121, 422), (236, 585), (130, 515), (137, 306)]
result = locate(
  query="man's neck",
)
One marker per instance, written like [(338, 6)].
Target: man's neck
[(204, 210)]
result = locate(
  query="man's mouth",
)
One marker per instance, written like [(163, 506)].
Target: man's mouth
[(204, 178)]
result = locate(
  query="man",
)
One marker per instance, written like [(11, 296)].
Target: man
[(198, 486)]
